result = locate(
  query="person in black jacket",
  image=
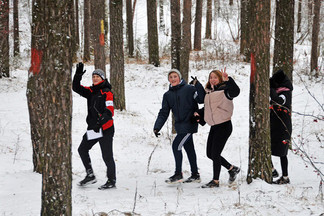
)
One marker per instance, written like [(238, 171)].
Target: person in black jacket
[(280, 121), (183, 100), (100, 124)]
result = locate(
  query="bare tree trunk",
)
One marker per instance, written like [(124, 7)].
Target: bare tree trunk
[(247, 11), (209, 19), (86, 26), (4, 38), (53, 64), (98, 33), (299, 16), (186, 40), (16, 27), (315, 33), (284, 37), (175, 34), (152, 29), (129, 14), (259, 139), (116, 53), (198, 18)]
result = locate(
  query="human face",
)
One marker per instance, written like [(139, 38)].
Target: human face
[(96, 79), (174, 79), (213, 79)]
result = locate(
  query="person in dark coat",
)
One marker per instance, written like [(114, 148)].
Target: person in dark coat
[(280, 121), (100, 124), (183, 100)]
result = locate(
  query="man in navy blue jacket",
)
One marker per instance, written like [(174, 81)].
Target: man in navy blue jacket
[(183, 100)]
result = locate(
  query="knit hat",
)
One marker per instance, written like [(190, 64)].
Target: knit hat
[(100, 73), (174, 71)]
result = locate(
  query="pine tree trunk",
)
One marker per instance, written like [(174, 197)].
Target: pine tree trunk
[(284, 37), (86, 26), (208, 19), (186, 40), (161, 15), (129, 13), (259, 138), (16, 27), (198, 18), (4, 38), (152, 33), (247, 12), (77, 41), (98, 33), (175, 34), (315, 33), (53, 64), (117, 53), (299, 16)]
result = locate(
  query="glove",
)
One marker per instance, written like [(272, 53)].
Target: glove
[(156, 132), (194, 119), (97, 128), (79, 69), (193, 81)]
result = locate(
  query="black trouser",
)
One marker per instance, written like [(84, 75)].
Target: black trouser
[(284, 165), (217, 138), (186, 141), (106, 145)]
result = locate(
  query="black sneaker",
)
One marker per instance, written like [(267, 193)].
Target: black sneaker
[(275, 174), (108, 185), (233, 173), (193, 178), (176, 178), (282, 180), (211, 184), (89, 179)]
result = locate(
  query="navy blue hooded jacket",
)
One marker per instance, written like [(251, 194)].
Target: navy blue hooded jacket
[(183, 100)]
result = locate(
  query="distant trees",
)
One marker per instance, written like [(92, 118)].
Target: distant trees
[(175, 33), (259, 138), (315, 33), (129, 22), (16, 27), (198, 17), (209, 17), (185, 39), (4, 38), (86, 30)]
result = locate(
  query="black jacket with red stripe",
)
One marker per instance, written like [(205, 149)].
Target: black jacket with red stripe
[(100, 103)]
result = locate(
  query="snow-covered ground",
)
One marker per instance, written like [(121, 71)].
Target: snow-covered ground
[(143, 161)]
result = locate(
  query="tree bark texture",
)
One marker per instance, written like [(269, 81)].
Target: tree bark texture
[(152, 33), (130, 37), (86, 26), (198, 18), (175, 34), (209, 18), (16, 27), (117, 53), (98, 33), (247, 11), (315, 33), (259, 138), (4, 38), (52, 50), (186, 40), (284, 37)]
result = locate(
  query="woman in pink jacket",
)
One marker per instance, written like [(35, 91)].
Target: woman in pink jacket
[(220, 91)]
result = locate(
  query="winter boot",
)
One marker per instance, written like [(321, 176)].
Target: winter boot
[(195, 177), (89, 179), (211, 184), (176, 178), (108, 185), (282, 180), (233, 173), (275, 174)]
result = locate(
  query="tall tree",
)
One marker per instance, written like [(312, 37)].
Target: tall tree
[(86, 30), (186, 39), (315, 33), (246, 25), (16, 27), (299, 16), (284, 37), (198, 18), (116, 53), (77, 41), (129, 14), (209, 17), (175, 34), (310, 4), (4, 38), (98, 33), (259, 138), (161, 15), (152, 33)]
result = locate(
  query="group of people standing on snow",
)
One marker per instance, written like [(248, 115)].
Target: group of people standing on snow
[(183, 99)]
